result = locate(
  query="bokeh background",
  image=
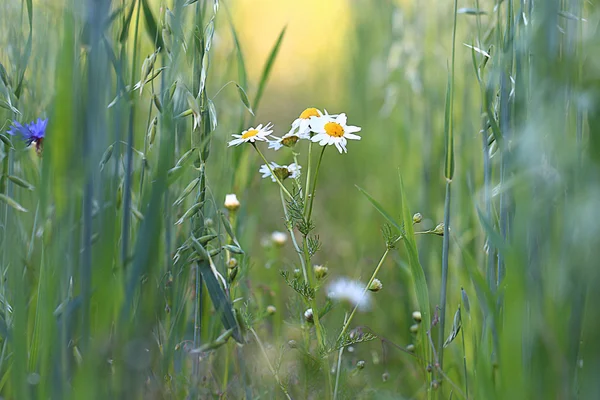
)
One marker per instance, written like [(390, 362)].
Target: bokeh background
[(528, 203)]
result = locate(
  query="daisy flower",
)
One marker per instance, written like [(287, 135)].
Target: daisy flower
[(281, 171), (353, 292), (34, 132), (253, 134), (302, 123), (288, 140), (333, 130)]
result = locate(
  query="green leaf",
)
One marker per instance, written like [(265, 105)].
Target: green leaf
[(417, 273), (126, 23), (470, 11), (244, 98), (381, 210), (12, 203), (455, 328), (151, 26), (228, 228), (267, 69), (220, 300)]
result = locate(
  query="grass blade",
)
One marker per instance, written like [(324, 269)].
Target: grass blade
[(381, 210), (267, 69)]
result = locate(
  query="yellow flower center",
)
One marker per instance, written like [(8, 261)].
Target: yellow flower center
[(309, 112), (250, 133), (334, 129)]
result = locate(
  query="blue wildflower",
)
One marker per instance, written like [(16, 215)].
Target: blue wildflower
[(34, 132)]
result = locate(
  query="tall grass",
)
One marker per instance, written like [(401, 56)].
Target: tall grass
[(124, 275)]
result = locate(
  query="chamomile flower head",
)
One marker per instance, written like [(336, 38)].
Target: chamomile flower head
[(288, 140), (331, 129), (353, 292), (281, 171), (252, 135), (301, 125)]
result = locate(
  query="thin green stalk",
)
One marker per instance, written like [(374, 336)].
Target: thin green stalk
[(272, 172), (293, 237), (339, 366), (308, 172), (129, 154), (314, 186), (373, 276), (444, 284), (449, 155), (462, 333), (275, 374)]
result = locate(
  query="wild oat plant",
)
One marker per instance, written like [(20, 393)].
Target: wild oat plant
[(435, 240)]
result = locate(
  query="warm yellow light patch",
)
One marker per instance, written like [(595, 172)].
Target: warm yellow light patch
[(309, 112), (334, 129), (250, 133)]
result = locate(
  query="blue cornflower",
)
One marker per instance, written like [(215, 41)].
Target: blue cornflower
[(33, 132)]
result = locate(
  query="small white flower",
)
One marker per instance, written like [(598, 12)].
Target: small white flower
[(333, 130), (253, 134), (231, 202), (279, 238), (281, 171), (289, 139), (344, 289)]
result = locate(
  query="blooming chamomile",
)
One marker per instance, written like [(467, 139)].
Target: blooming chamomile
[(252, 135), (281, 171), (331, 129)]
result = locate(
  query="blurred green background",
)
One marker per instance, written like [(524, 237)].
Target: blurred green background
[(524, 193)]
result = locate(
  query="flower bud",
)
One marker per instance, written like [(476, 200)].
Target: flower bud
[(414, 328), (417, 218), (385, 376), (439, 230), (320, 271), (416, 316), (411, 348), (231, 202), (271, 310), (279, 238), (233, 273), (376, 285), (232, 263), (297, 273), (309, 316), (435, 384), (360, 364), (293, 344)]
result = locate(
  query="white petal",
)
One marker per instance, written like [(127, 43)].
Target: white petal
[(318, 137), (352, 129), (352, 136), (342, 119)]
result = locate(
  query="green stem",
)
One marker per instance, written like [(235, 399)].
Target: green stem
[(308, 173), (275, 374), (294, 241), (272, 172), (339, 366), (314, 186), (347, 323)]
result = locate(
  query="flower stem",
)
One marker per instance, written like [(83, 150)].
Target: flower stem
[(339, 365), (291, 231), (347, 323), (308, 173), (272, 172), (314, 186), (275, 374)]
